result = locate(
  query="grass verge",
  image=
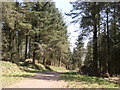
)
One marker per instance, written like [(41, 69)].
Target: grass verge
[(12, 73), (54, 68), (76, 80)]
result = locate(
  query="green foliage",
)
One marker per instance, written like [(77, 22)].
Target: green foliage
[(76, 80), (99, 22), (76, 57), (34, 30), (12, 73)]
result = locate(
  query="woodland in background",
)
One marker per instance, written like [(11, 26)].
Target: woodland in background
[(33, 30), (36, 30), (100, 23)]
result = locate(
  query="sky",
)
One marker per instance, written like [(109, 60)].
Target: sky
[(64, 6)]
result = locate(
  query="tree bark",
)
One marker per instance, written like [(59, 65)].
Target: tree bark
[(26, 49), (107, 59), (44, 60), (29, 54), (95, 49), (35, 40)]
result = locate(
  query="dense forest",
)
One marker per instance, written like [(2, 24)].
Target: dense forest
[(37, 31), (100, 24), (34, 30)]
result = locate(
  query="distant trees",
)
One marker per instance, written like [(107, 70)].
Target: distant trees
[(89, 54), (102, 20), (76, 57), (33, 30)]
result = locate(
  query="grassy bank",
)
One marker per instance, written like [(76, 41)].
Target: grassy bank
[(76, 80), (12, 72)]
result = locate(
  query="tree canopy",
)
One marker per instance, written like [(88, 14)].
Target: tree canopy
[(34, 30)]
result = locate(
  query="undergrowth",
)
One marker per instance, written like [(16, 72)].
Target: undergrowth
[(76, 80)]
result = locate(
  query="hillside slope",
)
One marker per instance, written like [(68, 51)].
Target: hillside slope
[(11, 72)]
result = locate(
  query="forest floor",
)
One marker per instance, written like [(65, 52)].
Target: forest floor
[(57, 79), (15, 76), (76, 80), (49, 79), (115, 79)]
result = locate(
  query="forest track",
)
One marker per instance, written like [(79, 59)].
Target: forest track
[(50, 79)]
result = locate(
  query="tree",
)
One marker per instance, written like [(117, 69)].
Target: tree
[(101, 19), (38, 32)]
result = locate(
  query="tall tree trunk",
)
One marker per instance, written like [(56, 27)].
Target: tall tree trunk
[(115, 39), (95, 50), (26, 48), (44, 60), (51, 58), (10, 43), (108, 47), (35, 40), (59, 60), (18, 44), (29, 54), (99, 48)]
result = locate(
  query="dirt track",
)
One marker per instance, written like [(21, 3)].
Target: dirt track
[(41, 80)]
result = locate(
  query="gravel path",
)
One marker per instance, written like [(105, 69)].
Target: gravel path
[(41, 80)]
